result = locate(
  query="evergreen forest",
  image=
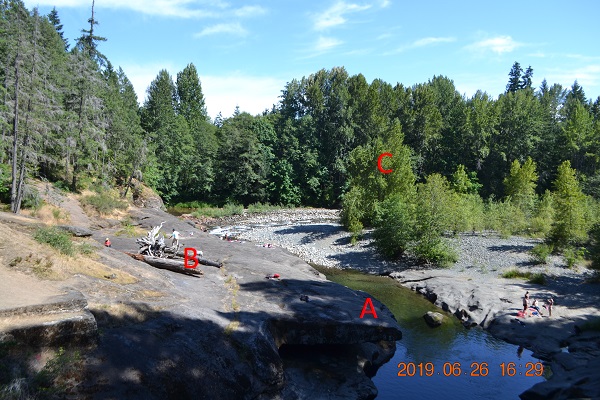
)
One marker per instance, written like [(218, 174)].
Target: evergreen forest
[(526, 161)]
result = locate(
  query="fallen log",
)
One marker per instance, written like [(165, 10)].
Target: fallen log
[(202, 261), (169, 264)]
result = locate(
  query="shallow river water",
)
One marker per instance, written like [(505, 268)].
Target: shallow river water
[(449, 362), (443, 346)]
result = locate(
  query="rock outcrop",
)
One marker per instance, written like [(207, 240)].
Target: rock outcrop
[(233, 333)]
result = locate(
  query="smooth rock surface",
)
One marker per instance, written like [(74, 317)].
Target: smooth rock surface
[(219, 336), (433, 319), (76, 230)]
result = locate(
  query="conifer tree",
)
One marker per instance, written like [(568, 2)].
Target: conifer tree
[(569, 203)]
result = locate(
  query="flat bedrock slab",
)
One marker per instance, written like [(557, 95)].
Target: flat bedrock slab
[(221, 338)]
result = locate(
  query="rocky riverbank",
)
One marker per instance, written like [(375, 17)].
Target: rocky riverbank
[(472, 289), (228, 334)]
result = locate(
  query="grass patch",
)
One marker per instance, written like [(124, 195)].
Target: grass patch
[(86, 249), (56, 238), (233, 325), (105, 203), (216, 212), (513, 273), (130, 231), (61, 374), (262, 208)]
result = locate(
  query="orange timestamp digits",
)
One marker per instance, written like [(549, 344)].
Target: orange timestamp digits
[(408, 369)]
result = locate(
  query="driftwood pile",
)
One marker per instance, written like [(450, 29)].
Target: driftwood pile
[(153, 251)]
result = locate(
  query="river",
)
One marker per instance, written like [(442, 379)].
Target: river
[(445, 362), (448, 344)]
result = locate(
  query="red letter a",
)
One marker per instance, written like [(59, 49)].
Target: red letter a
[(368, 303), (192, 257)]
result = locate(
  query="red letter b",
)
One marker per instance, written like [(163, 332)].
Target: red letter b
[(192, 257)]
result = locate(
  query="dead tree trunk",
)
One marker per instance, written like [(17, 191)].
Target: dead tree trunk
[(164, 263), (202, 261)]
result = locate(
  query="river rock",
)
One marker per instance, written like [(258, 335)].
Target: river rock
[(433, 319)]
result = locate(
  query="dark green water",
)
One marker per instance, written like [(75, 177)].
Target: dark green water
[(450, 343)]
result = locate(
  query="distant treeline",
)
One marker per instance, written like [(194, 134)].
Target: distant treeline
[(67, 115)]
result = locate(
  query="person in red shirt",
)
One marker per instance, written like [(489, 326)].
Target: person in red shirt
[(107, 243)]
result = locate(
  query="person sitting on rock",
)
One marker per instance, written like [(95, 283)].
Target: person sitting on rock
[(107, 243), (535, 306)]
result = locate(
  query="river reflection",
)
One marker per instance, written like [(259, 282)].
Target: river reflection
[(450, 343)]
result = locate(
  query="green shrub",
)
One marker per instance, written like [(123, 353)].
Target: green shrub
[(543, 216), (573, 256), (467, 213), (63, 186), (104, 202), (540, 253), (54, 377), (506, 218), (191, 204), (394, 227), (32, 198), (56, 238), (233, 209), (595, 246), (435, 251)]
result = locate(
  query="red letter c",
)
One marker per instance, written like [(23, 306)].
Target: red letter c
[(383, 171)]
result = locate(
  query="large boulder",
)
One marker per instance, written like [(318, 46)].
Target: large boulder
[(77, 231), (433, 319), (144, 197)]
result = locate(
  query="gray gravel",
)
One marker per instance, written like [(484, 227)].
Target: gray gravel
[(316, 236)]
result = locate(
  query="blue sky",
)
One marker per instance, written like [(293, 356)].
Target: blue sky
[(246, 51)]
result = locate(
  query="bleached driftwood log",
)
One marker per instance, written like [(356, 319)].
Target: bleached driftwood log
[(200, 259), (165, 263)]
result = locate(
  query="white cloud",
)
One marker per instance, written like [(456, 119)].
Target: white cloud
[(335, 15), (232, 29), (249, 11), (385, 3), (164, 8), (428, 41), (326, 43), (432, 40), (587, 76), (498, 44)]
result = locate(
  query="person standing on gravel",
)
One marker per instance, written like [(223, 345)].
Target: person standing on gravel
[(526, 301), (549, 304)]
